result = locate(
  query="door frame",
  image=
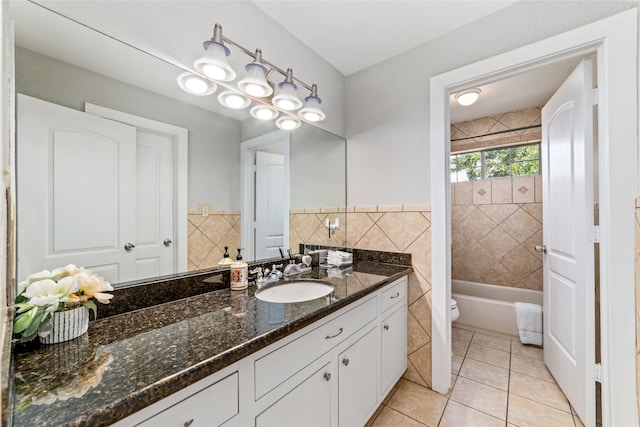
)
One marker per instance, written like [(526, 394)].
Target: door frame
[(180, 165), (614, 42), (247, 188)]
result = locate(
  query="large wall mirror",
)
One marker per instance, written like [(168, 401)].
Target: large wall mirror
[(120, 170)]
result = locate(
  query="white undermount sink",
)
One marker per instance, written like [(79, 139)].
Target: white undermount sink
[(294, 292)]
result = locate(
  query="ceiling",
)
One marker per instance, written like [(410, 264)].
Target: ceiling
[(355, 34)]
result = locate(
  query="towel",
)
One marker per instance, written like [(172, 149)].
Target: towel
[(529, 319)]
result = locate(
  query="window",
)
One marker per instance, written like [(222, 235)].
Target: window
[(501, 162)]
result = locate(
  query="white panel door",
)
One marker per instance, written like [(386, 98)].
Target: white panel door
[(74, 192), (154, 205), (269, 198), (567, 174)]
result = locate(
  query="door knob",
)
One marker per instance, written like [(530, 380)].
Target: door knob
[(167, 242), (129, 247), (542, 249)]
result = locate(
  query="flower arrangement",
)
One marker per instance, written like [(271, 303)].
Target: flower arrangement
[(45, 292)]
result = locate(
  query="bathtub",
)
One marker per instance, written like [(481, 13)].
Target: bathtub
[(490, 307)]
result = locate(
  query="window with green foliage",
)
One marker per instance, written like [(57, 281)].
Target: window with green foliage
[(501, 162)]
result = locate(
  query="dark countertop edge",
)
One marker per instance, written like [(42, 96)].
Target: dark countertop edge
[(125, 407)]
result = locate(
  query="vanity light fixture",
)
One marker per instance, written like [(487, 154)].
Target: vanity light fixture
[(214, 62), (311, 110), (255, 82), (286, 97), (263, 112), (468, 97), (233, 100), (196, 85), (288, 123)]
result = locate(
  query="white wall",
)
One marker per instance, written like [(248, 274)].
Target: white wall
[(387, 105), (175, 30)]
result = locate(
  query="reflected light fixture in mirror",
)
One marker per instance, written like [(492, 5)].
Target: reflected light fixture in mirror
[(468, 97), (263, 112), (233, 100), (213, 63), (286, 97), (311, 110), (196, 85), (255, 82), (288, 123)]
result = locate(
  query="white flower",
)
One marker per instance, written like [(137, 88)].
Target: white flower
[(95, 286), (47, 292), (68, 270)]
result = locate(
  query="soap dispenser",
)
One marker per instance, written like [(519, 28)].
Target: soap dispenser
[(226, 260), (239, 273)]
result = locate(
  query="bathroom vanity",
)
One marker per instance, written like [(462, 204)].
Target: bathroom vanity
[(227, 358)]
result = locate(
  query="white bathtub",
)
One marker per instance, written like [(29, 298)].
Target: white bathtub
[(490, 307)]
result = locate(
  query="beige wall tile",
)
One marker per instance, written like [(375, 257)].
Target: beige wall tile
[(538, 188), (416, 335), (523, 189), (389, 208), (463, 193), (421, 311), (498, 242), (477, 224), (411, 374), (403, 227), (501, 191), (460, 212), (520, 262), (481, 192), (366, 209), (375, 239), (417, 208), (520, 225), (418, 286), (421, 359)]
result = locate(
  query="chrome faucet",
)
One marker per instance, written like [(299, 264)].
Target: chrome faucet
[(274, 274)]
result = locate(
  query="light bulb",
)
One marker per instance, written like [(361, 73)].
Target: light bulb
[(286, 104), (288, 123), (196, 85), (235, 101), (255, 90), (262, 112), (214, 72), (312, 117)]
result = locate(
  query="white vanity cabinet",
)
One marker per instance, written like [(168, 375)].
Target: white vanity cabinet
[(358, 380), (332, 373)]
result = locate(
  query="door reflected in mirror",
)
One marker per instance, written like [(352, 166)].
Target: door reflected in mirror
[(121, 171)]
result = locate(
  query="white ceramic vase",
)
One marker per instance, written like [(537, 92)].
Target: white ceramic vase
[(67, 325)]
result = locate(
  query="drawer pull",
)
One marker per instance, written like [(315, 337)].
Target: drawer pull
[(188, 423), (395, 296), (327, 376), (345, 361), (328, 337), (386, 327)]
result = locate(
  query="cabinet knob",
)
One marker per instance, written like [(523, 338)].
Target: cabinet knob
[(386, 327), (327, 376), (188, 423), (345, 361), (129, 247)]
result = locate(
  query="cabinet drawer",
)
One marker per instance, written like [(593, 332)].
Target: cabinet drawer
[(396, 293), (209, 407), (277, 366)]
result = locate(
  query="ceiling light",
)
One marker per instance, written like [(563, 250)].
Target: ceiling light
[(311, 110), (214, 62), (234, 100), (286, 97), (263, 112), (288, 123), (468, 97), (255, 82), (196, 85)]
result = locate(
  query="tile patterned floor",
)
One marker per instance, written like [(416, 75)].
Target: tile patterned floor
[(496, 382)]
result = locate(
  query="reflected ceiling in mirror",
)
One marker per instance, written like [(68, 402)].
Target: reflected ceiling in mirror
[(86, 73)]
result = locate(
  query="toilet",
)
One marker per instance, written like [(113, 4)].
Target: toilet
[(455, 313)]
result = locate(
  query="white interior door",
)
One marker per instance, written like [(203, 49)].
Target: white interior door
[(74, 193), (567, 174), (154, 255), (161, 193), (269, 197)]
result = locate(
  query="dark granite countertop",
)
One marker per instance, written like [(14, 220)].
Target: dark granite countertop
[(131, 360)]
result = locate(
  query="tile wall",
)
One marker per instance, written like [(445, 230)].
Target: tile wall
[(403, 228), (495, 225), (476, 134), (308, 226), (208, 233)]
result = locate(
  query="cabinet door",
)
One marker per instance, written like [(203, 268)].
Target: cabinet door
[(358, 381), (309, 404), (393, 361)]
